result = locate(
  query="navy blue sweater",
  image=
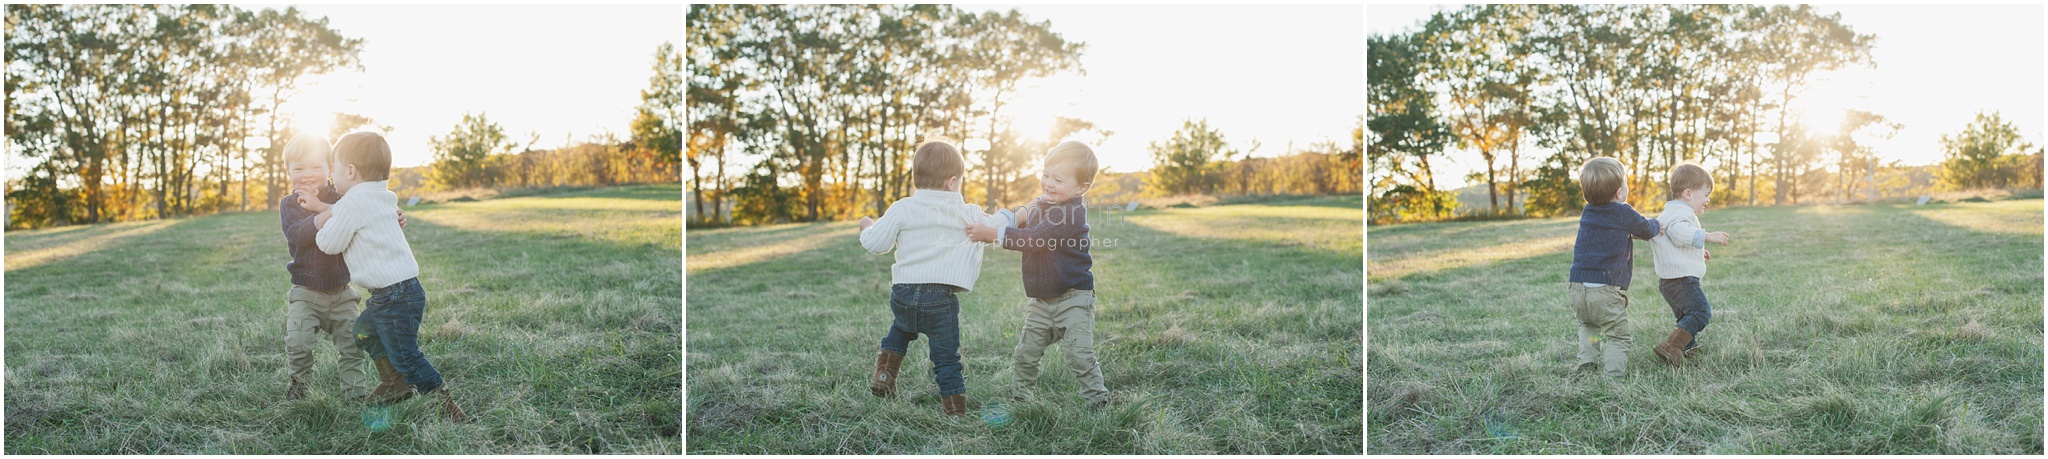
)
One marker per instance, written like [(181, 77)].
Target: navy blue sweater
[(1603, 253), (309, 266), (1054, 241)]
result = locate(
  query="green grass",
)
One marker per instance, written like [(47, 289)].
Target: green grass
[(553, 317), (1862, 330), (1225, 329)]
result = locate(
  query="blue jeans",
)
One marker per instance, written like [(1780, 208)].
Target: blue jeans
[(933, 310), (390, 328), (1688, 304)]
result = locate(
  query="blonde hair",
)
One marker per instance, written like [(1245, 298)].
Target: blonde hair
[(1600, 179), (1689, 176), (935, 162), (1076, 157), (306, 144)]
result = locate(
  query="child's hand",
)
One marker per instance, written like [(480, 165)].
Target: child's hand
[(978, 233), (312, 202), (401, 218), (866, 222), (1710, 255), (1718, 237)]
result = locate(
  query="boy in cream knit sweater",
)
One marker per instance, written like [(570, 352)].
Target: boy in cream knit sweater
[(358, 228), (1681, 257), (934, 261)]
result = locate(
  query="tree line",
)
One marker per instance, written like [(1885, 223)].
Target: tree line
[(831, 99), (827, 102), (1199, 160), (143, 111), (1650, 85), (132, 112), (478, 153)]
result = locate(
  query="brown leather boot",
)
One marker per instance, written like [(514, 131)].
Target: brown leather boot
[(1672, 350), (955, 405), (296, 391), (448, 406), (392, 388), (886, 364)]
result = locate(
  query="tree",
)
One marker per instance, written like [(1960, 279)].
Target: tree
[(1988, 153), (1800, 43), (657, 134), (1405, 132), (1481, 59), (1182, 165), (464, 158), (1854, 161), (1000, 50)]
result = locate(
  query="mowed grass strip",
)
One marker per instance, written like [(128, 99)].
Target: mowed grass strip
[(554, 317), (1225, 329), (1836, 329)]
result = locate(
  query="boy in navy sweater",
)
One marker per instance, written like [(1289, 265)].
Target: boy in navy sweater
[(1603, 259), (1052, 233)]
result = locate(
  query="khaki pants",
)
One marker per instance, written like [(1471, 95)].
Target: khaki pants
[(1069, 317), (312, 311), (1602, 314)]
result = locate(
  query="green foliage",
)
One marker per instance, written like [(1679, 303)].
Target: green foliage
[(1406, 132), (1554, 188), (1988, 154), (1186, 163), (472, 155), (140, 111), (1650, 85), (657, 125)]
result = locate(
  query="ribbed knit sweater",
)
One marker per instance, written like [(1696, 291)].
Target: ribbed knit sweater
[(361, 228), (928, 231), (1681, 250)]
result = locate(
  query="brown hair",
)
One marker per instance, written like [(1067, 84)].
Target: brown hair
[(367, 152), (1600, 179), (1689, 176), (935, 162), (306, 144), (1076, 157)]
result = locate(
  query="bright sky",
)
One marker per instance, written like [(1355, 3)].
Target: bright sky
[(1275, 73), (565, 72), (1936, 67)]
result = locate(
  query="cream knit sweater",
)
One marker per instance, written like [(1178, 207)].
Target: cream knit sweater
[(929, 232), (1680, 248), (363, 229)]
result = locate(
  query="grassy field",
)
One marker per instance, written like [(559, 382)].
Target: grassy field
[(1867, 329), (553, 317), (1223, 329)]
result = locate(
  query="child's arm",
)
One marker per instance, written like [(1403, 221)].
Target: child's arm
[(1645, 229), (338, 225), (1686, 233), (298, 225), (1053, 231), (881, 236), (988, 228)]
